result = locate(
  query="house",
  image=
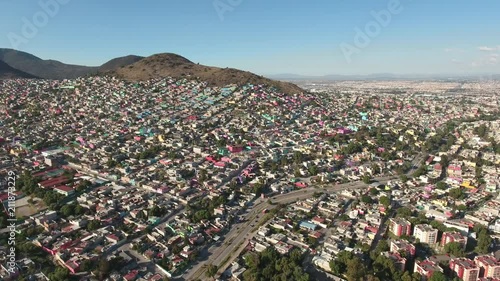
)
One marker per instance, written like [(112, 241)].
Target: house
[(438, 168), (454, 170), (64, 190), (112, 238), (50, 183), (320, 221), (131, 275), (308, 226), (235, 148)]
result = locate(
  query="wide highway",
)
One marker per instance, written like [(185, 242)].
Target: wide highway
[(241, 233)]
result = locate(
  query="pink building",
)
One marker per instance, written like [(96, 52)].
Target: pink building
[(220, 164), (465, 269), (403, 245), (454, 170), (399, 226), (489, 266), (449, 237), (426, 268), (235, 148)]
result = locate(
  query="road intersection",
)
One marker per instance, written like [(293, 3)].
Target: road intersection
[(238, 237)]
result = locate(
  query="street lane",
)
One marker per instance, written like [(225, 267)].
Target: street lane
[(227, 252)]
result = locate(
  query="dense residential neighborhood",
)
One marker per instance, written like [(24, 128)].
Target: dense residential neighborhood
[(172, 179)]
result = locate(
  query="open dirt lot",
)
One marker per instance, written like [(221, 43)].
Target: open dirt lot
[(24, 209)]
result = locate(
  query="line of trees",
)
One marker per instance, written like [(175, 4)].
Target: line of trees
[(270, 265)]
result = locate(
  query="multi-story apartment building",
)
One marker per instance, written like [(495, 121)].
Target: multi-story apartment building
[(403, 245), (489, 266), (449, 237), (399, 227), (465, 269), (426, 268), (425, 233)]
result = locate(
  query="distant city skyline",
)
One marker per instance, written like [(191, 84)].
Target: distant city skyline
[(401, 37)]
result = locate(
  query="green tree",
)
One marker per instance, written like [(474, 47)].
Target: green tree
[(408, 277), (93, 225), (211, 270), (457, 193), (313, 170), (339, 264), (3, 220), (384, 268), (202, 175), (403, 178), (404, 212), (454, 248), (438, 225), (83, 185), (270, 265), (366, 199), (382, 246), (384, 200), (103, 268), (438, 276), (366, 179), (376, 169), (483, 241), (481, 131), (60, 274), (86, 265), (344, 217), (79, 210), (337, 267), (356, 270), (67, 210), (441, 185)]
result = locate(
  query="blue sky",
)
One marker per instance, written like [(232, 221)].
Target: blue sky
[(267, 36)]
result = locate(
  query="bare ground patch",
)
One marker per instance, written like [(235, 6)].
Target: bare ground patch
[(25, 209)]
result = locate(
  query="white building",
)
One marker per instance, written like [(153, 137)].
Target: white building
[(425, 233)]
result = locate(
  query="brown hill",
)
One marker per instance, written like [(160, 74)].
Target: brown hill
[(172, 65), (119, 62), (8, 72), (49, 69)]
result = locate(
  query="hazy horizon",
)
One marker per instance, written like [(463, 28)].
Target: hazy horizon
[(266, 37)]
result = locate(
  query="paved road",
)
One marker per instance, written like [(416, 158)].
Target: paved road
[(127, 245), (236, 239), (227, 252)]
